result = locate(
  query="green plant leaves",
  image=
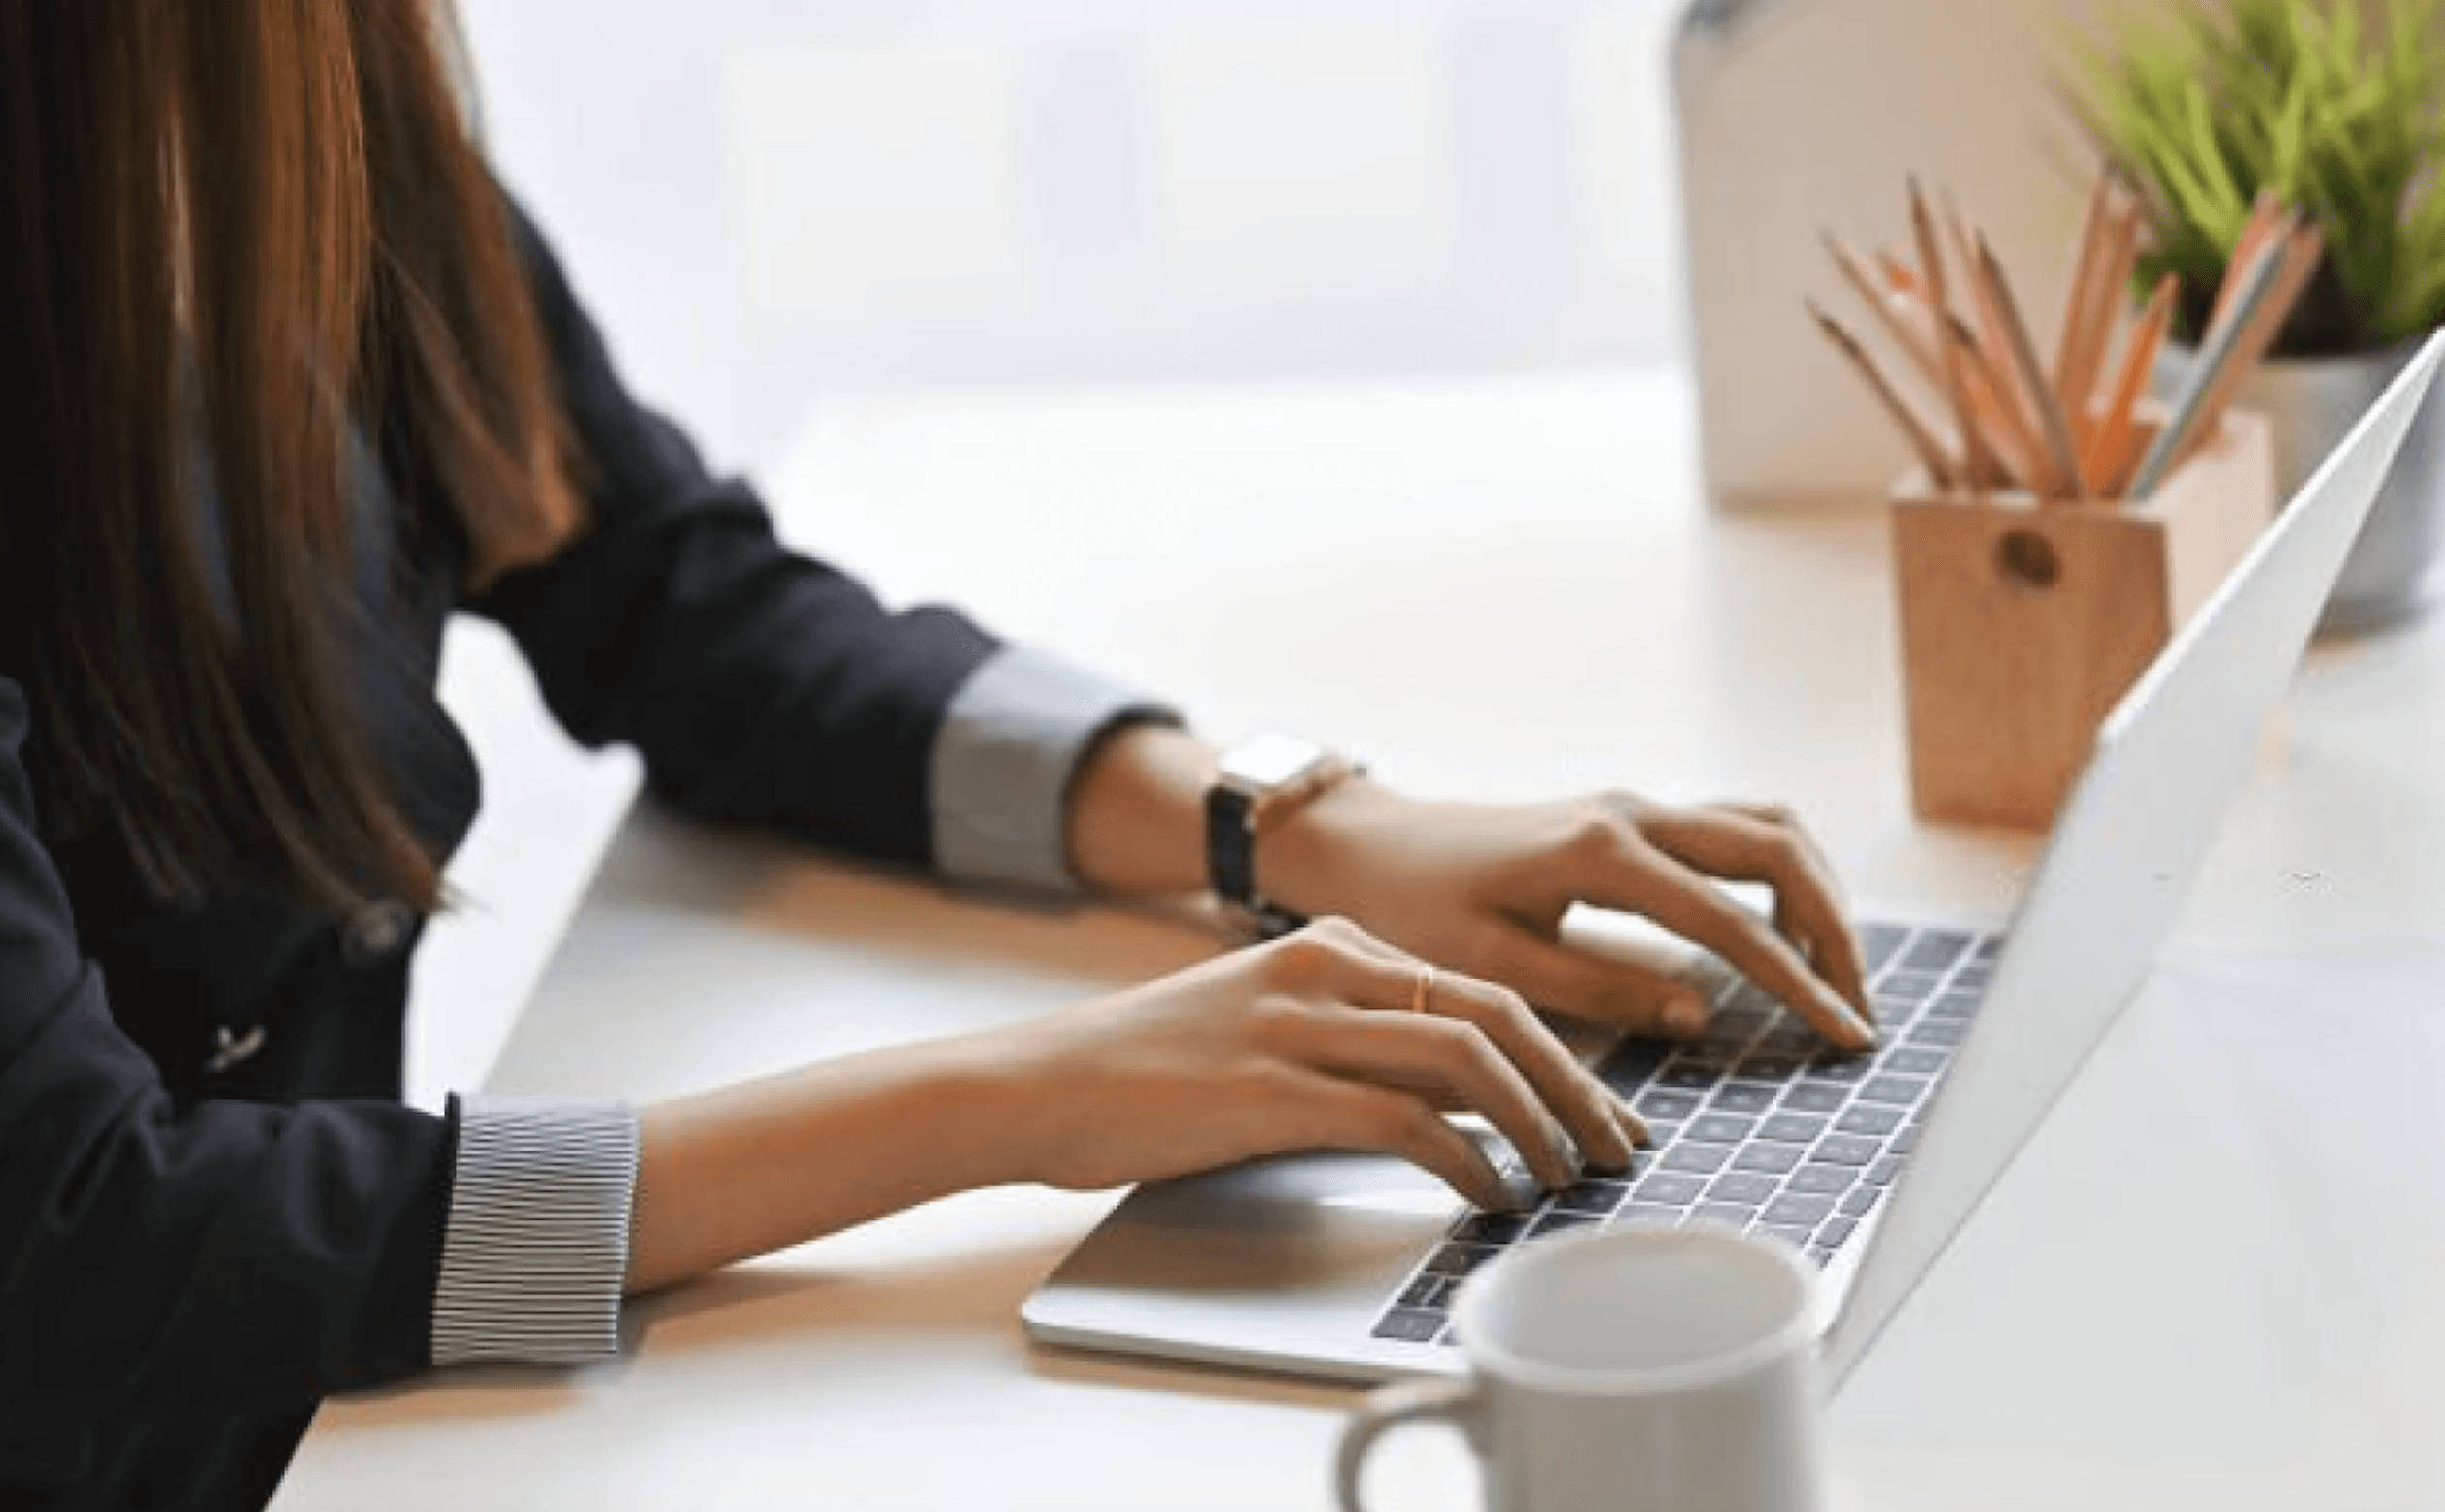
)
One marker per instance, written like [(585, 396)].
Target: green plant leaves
[(2208, 107)]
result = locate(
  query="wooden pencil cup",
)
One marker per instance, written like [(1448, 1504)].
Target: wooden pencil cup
[(2023, 623)]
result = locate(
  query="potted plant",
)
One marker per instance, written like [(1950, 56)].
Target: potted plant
[(2336, 109)]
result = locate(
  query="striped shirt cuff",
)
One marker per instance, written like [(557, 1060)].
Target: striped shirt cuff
[(534, 1253), (1003, 764)]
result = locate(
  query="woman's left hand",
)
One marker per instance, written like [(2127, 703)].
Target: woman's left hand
[(1482, 888)]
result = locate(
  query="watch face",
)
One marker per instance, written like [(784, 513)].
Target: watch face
[(1271, 761)]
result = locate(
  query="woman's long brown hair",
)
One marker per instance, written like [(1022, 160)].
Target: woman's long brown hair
[(266, 215)]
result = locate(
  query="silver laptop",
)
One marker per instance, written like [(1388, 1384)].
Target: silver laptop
[(1344, 1265)]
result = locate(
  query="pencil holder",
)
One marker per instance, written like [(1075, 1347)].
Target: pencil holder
[(2023, 623)]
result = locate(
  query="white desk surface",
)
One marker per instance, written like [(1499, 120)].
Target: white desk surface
[(2214, 1279)]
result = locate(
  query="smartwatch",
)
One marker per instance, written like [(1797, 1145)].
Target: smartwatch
[(1260, 780)]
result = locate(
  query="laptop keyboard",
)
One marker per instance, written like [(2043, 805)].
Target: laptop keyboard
[(1757, 1124)]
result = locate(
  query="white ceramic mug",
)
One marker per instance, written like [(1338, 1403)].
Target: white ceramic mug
[(1631, 1370)]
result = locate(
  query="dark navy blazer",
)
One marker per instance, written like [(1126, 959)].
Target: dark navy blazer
[(196, 1247)]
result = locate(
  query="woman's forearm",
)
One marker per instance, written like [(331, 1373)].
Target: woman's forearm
[(765, 1164), (1136, 825)]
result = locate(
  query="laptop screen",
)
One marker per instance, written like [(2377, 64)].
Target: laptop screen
[(2130, 841)]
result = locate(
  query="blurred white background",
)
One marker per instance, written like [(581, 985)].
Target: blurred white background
[(769, 199)]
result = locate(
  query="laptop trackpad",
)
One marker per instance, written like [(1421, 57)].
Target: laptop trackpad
[(1272, 1223), (1275, 1257)]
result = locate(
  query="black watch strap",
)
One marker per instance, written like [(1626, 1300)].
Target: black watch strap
[(1231, 862)]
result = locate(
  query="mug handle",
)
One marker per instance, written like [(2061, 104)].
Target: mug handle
[(1386, 1408)]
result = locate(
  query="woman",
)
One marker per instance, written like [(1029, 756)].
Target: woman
[(283, 382)]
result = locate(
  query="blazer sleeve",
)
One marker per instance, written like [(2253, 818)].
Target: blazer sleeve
[(232, 1257), (760, 686)]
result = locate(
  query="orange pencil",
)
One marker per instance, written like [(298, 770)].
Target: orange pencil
[(2113, 439), (2117, 259), (2078, 302)]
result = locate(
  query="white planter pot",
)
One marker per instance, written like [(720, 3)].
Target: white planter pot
[(2312, 403)]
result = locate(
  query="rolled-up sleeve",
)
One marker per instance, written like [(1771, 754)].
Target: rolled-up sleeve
[(534, 1250), (1006, 761), (159, 1262)]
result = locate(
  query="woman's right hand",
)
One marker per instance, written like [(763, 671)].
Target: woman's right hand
[(1304, 1043)]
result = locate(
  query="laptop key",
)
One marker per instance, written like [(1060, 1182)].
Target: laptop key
[(1946, 1033), (1669, 1188), (1857, 1202), (1805, 1212), (1427, 1290), (1815, 1097), (1773, 1159), (1561, 1221), (1729, 1214), (1879, 944), (1867, 1119), (1881, 1173), (1847, 1150), (1836, 1068), (1703, 1159), (1822, 1181), (1739, 1097), (1893, 1013), (1459, 1259), (1912, 1061), (1648, 1215), (1719, 1128), (1834, 1230), (1661, 1103), (1624, 1084), (1491, 1227), (1792, 1128), (1595, 1196), (1819, 1256), (1688, 1076), (1903, 982), (1902, 1091), (1789, 1234), (1954, 1004), (1904, 1142), (1767, 1066), (1937, 948), (1410, 1326), (1746, 1188)]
